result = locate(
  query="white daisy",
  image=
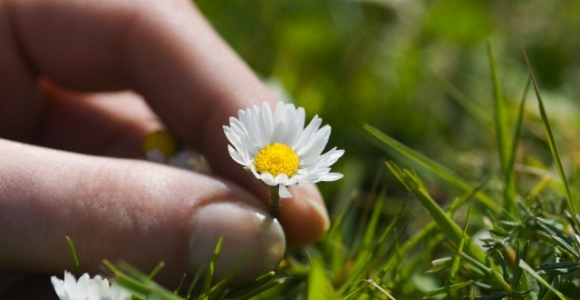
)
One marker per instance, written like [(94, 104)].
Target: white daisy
[(278, 149), (87, 288)]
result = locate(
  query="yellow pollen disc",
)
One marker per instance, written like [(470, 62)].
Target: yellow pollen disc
[(277, 158)]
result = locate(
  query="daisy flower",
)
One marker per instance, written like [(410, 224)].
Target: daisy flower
[(87, 288), (278, 149)]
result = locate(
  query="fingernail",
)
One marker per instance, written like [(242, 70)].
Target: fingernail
[(253, 242)]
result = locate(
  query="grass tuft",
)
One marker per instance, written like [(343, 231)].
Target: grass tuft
[(551, 140)]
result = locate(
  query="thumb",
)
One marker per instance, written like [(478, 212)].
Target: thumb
[(134, 211)]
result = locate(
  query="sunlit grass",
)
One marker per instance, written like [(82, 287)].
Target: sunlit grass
[(376, 249), (529, 248), (410, 93)]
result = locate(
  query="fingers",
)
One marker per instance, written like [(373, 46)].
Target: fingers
[(26, 287), (17, 87), (144, 213), (306, 203), (163, 50), (108, 124)]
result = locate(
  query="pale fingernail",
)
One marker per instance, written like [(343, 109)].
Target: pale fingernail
[(253, 242)]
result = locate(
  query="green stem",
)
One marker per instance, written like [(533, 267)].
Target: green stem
[(274, 201)]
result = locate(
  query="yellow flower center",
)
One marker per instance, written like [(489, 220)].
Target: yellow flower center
[(160, 140), (277, 158)]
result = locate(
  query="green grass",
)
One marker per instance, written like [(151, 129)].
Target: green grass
[(531, 248), (450, 132)]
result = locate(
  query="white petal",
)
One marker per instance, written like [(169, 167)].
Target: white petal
[(58, 287), (70, 283), (255, 172), (265, 125), (335, 155), (285, 118), (293, 180), (283, 192), (280, 112), (243, 136), (268, 179), (331, 177), (314, 147), (235, 134), (248, 122), (118, 293), (102, 285), (307, 133), (281, 178), (253, 132), (83, 282), (326, 160), (279, 133), (295, 127), (236, 156), (87, 288)]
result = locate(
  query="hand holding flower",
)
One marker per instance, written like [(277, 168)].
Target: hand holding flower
[(84, 82)]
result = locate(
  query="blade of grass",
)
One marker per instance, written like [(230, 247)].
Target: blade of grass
[(522, 264), (518, 129), (501, 131), (156, 270), (429, 230), (375, 247), (75, 258), (262, 288), (207, 284), (319, 286), (457, 259), (371, 228), (510, 186), (139, 284), (503, 265), (354, 291), (448, 289), (519, 278), (489, 272), (359, 269), (550, 135), (447, 226), (380, 289), (387, 233), (258, 285), (433, 167), (478, 113), (444, 222)]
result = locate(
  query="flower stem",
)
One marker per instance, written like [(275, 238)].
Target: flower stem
[(274, 202)]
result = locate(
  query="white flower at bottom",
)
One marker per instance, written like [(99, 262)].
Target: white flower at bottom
[(278, 149), (87, 288)]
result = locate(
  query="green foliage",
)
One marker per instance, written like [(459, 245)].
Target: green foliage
[(479, 194)]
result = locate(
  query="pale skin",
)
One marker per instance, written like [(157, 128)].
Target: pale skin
[(81, 82)]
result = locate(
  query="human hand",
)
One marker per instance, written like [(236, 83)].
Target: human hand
[(66, 166)]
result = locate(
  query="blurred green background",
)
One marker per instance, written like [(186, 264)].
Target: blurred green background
[(417, 70), (420, 72)]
